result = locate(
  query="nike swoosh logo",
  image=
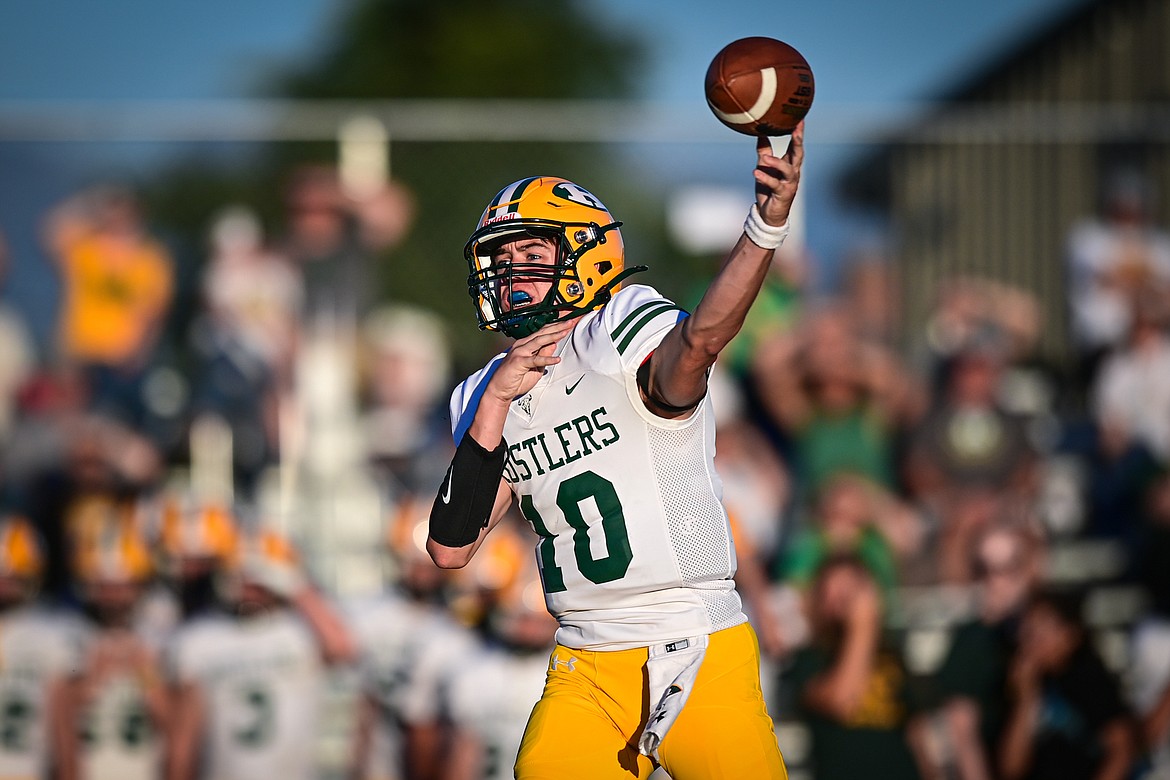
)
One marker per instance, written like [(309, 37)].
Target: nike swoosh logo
[(569, 390), (447, 493)]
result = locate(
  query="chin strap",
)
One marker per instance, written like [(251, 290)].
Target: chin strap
[(526, 325), (625, 274)]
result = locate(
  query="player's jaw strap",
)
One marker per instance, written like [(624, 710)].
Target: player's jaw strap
[(464, 503)]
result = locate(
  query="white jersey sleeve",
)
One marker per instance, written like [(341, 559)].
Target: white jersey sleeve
[(465, 398), (636, 320), (1149, 668)]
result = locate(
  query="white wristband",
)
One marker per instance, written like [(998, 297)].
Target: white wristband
[(761, 233)]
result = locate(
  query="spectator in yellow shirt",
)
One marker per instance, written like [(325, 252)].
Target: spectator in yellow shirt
[(116, 284)]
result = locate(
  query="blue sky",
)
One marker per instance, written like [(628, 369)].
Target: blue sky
[(866, 57), (145, 49)]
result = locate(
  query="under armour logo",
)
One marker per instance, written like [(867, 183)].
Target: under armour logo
[(556, 662)]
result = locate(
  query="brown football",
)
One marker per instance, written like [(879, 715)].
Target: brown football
[(759, 86)]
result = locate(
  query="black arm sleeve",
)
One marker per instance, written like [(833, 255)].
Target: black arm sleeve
[(464, 504)]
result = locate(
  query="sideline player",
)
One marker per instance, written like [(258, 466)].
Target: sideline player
[(409, 646), (597, 420), (111, 714), (491, 695), (249, 680), (37, 647)]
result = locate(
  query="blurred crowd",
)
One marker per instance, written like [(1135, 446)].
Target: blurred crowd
[(955, 550)]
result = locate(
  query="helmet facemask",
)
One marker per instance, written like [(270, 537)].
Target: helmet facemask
[(588, 262)]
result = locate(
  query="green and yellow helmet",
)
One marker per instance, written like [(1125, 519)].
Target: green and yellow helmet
[(590, 261)]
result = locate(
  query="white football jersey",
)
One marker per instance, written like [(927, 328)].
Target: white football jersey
[(408, 653), (262, 679), (635, 544), (118, 737), (35, 646), (492, 697), (157, 616)]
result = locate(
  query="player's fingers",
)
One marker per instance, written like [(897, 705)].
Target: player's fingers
[(553, 330), (785, 170), (547, 341), (786, 167), (766, 152), (766, 182), (772, 177), (549, 334), (769, 163), (796, 146)]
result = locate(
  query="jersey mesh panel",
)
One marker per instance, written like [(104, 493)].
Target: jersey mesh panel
[(696, 522)]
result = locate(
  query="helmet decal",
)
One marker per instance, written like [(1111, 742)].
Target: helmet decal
[(507, 200), (577, 194)]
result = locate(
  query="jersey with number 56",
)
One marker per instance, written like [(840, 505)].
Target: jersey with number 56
[(261, 679), (635, 546)]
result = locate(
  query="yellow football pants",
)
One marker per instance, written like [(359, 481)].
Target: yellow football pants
[(587, 723)]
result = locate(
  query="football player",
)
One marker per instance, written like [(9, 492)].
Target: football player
[(190, 539), (597, 422), (249, 681), (491, 694), (196, 539), (36, 646), (410, 644), (111, 716)]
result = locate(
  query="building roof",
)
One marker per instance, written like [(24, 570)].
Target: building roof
[(865, 180)]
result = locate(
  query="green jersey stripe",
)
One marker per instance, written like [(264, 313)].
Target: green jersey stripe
[(629, 337), (617, 332)]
